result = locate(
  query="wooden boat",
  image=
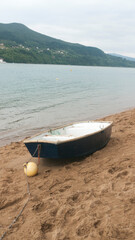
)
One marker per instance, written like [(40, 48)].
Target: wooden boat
[(75, 140)]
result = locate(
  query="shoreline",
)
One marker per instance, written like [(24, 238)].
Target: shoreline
[(16, 138), (88, 198)]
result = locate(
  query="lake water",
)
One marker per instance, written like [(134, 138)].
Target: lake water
[(37, 97)]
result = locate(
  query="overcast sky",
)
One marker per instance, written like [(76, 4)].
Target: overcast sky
[(106, 24)]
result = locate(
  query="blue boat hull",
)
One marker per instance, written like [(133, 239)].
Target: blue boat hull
[(73, 148)]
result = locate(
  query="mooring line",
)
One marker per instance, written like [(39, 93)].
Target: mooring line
[(19, 214), (29, 194)]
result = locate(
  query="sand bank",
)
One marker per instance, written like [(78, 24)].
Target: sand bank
[(90, 198)]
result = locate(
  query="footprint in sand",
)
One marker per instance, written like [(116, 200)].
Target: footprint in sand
[(47, 173), (70, 213), (97, 223), (38, 207), (112, 170), (63, 189), (83, 230), (87, 179), (46, 227), (53, 212), (5, 203), (132, 200), (73, 199), (95, 204), (122, 174)]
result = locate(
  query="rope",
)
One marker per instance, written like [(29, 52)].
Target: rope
[(19, 214), (34, 153), (29, 194), (39, 149)]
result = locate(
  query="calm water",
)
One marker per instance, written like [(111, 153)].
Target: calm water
[(36, 97)]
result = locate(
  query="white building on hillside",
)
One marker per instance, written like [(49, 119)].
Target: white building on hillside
[(1, 60)]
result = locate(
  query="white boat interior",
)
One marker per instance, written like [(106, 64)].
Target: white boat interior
[(70, 132)]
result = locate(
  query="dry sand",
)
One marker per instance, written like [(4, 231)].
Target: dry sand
[(90, 198)]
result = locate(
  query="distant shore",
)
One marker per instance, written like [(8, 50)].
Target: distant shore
[(91, 198)]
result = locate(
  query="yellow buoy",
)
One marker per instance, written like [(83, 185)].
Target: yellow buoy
[(30, 169)]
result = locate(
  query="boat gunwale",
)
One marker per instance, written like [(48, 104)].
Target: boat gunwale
[(29, 140)]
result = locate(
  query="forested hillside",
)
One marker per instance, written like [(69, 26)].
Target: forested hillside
[(19, 44)]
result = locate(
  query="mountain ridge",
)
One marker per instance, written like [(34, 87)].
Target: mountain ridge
[(121, 56), (20, 44)]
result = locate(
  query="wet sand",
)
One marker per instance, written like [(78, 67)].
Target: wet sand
[(89, 198)]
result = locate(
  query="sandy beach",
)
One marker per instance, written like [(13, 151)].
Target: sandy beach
[(89, 198)]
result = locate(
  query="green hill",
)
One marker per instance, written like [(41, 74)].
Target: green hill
[(19, 44)]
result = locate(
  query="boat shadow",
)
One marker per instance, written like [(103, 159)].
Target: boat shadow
[(48, 162)]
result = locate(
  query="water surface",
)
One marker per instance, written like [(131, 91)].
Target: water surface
[(38, 97)]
